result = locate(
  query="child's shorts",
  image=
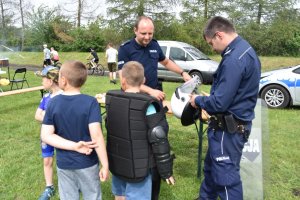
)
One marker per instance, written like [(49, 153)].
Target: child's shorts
[(132, 191), (47, 150), (112, 67)]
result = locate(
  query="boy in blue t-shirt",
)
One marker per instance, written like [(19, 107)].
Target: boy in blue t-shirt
[(131, 79), (50, 82), (72, 125)]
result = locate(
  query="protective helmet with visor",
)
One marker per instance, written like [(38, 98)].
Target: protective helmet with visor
[(180, 105)]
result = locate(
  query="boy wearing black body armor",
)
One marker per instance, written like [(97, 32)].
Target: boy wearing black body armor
[(136, 138)]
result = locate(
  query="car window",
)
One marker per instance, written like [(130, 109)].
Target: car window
[(177, 53), (164, 49), (297, 71), (196, 53), (189, 58)]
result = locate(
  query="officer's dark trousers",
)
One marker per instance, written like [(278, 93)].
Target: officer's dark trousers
[(222, 166), (156, 179), (155, 184)]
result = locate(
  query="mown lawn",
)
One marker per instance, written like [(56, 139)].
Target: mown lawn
[(21, 172), (36, 58)]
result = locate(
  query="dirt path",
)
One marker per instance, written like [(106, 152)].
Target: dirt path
[(29, 67), (36, 68)]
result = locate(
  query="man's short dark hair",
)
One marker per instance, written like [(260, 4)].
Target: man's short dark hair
[(139, 19), (215, 24)]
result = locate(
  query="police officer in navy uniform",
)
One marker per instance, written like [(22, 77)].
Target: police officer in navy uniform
[(231, 105), (144, 49)]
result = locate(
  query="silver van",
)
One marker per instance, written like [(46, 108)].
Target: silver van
[(189, 58)]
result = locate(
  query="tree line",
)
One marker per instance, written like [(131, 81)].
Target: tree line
[(271, 26)]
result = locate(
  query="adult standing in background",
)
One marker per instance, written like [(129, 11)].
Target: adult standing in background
[(111, 56), (231, 105), (144, 49), (47, 56), (54, 55)]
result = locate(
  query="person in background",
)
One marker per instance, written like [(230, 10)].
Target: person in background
[(77, 163), (54, 55), (145, 50), (111, 56), (47, 56), (93, 56), (231, 105), (50, 82)]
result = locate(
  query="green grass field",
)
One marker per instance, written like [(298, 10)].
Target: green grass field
[(36, 58), (21, 169)]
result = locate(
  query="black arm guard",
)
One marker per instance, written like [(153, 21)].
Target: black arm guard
[(161, 151)]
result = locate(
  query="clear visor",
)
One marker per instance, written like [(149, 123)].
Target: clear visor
[(189, 86)]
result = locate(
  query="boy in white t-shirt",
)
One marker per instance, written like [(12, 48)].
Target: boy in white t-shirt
[(111, 56)]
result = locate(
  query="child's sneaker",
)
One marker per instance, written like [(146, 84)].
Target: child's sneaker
[(48, 192)]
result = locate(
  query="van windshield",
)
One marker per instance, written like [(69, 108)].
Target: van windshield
[(198, 55)]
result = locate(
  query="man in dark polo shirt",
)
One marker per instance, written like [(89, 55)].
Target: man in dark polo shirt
[(145, 50)]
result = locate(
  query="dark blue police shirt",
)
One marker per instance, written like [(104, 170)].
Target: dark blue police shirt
[(235, 86), (148, 56)]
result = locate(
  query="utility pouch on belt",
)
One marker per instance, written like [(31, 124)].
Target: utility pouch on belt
[(231, 123)]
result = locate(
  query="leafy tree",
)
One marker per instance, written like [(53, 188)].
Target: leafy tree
[(258, 11), (81, 10), (201, 8), (113, 34), (22, 6), (278, 37), (6, 17), (62, 28), (194, 17), (85, 38), (272, 27), (41, 26), (284, 33), (123, 13)]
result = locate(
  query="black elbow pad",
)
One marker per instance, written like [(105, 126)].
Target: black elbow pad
[(161, 151)]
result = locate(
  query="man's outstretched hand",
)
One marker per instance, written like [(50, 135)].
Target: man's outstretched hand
[(186, 76)]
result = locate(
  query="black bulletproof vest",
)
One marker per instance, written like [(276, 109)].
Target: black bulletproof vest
[(129, 152)]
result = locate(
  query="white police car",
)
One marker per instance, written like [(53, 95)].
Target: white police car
[(280, 88)]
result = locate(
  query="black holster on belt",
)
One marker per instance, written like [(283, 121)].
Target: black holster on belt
[(227, 123)]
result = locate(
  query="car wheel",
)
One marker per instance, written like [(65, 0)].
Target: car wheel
[(275, 96), (198, 75)]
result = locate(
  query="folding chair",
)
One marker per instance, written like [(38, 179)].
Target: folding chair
[(19, 77)]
